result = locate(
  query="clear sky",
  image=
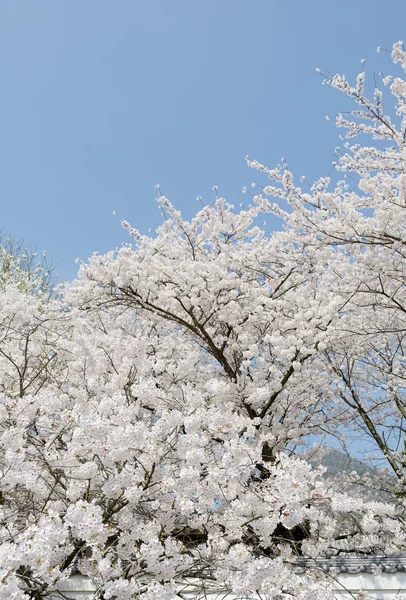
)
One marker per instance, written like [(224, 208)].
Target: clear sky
[(102, 99)]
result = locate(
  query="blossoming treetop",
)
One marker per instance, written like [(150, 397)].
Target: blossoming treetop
[(151, 413)]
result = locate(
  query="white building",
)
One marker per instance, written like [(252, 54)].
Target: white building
[(380, 577)]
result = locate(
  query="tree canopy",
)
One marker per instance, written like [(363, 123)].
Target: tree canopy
[(155, 411)]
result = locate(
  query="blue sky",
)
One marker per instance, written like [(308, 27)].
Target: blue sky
[(103, 99)]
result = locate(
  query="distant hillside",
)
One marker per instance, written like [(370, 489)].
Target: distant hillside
[(344, 470)]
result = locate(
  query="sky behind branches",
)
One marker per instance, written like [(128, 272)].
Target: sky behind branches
[(101, 100)]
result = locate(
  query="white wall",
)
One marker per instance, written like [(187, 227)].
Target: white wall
[(76, 587), (381, 587), (378, 587)]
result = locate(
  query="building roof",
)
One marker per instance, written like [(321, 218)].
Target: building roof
[(355, 564)]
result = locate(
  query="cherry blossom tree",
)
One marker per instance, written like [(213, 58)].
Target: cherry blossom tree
[(152, 411), (362, 220)]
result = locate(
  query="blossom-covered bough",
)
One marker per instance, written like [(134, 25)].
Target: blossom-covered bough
[(153, 412)]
